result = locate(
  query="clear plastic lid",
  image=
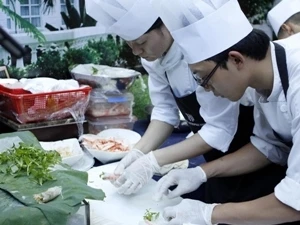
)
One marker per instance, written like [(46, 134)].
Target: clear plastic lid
[(111, 120), (98, 96)]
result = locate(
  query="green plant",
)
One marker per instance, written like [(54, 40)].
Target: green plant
[(127, 58), (15, 72), (73, 18), (256, 10), (141, 98), (51, 64), (21, 22), (83, 55), (107, 49)]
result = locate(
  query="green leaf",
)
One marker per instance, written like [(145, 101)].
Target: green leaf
[(56, 212), (23, 24)]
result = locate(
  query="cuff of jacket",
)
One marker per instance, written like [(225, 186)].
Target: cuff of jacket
[(215, 137), (274, 154), (170, 116), (287, 191)]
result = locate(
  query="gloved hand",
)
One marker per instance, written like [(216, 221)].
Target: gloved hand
[(187, 180), (138, 174), (189, 211), (127, 160)]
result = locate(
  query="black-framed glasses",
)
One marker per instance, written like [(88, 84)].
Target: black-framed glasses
[(204, 81)]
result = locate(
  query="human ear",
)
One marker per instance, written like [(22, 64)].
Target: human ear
[(237, 59), (287, 29)]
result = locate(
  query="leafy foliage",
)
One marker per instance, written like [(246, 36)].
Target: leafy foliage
[(22, 207), (127, 58), (73, 18), (22, 23), (108, 50), (83, 55), (256, 10), (141, 98), (51, 64), (28, 160)]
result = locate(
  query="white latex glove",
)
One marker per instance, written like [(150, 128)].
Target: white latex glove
[(187, 180), (138, 174), (126, 161), (189, 211)]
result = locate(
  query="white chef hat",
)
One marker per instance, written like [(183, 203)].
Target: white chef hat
[(203, 28), (282, 12), (129, 19)]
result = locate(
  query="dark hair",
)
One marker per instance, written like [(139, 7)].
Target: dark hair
[(295, 19), (255, 46), (157, 24)]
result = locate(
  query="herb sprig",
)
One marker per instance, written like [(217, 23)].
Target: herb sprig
[(150, 216), (29, 160)]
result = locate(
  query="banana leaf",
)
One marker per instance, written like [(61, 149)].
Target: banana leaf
[(26, 136), (21, 208), (18, 206)]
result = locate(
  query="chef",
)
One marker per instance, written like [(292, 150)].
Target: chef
[(285, 18), (244, 58), (173, 87)]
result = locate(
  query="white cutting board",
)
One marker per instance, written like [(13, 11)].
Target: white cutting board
[(119, 209)]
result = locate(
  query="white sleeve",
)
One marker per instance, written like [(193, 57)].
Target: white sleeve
[(288, 190), (265, 141), (221, 116), (165, 107)]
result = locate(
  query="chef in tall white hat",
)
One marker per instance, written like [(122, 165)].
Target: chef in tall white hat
[(228, 57), (285, 18), (173, 87)]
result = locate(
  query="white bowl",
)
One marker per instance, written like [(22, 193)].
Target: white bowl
[(128, 137), (69, 150)]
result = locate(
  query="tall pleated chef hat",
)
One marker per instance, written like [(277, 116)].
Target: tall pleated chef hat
[(129, 19), (282, 12), (203, 28)]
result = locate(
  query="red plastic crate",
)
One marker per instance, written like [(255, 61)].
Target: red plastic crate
[(26, 108), (13, 90)]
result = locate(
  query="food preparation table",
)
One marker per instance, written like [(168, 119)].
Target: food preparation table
[(119, 209)]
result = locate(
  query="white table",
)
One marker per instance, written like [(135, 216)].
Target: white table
[(119, 209)]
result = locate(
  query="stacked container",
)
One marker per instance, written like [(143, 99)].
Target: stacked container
[(109, 111)]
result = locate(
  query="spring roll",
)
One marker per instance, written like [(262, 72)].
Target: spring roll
[(48, 195)]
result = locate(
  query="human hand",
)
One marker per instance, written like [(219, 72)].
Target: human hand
[(189, 211), (126, 161), (187, 180), (138, 174)]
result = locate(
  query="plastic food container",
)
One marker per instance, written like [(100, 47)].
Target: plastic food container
[(101, 105), (97, 125)]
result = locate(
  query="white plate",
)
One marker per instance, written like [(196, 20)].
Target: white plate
[(69, 146), (128, 137), (85, 163)]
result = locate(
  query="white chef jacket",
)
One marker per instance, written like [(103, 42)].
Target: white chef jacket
[(283, 116), (220, 114)]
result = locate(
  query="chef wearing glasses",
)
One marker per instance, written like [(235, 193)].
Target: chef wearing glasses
[(219, 126)]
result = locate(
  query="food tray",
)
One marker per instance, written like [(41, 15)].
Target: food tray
[(97, 125), (102, 105), (26, 108)]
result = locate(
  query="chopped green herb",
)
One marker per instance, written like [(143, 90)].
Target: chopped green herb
[(29, 161), (151, 216), (102, 175), (94, 70)]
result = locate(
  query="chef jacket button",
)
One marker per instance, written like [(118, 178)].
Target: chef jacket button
[(283, 108)]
